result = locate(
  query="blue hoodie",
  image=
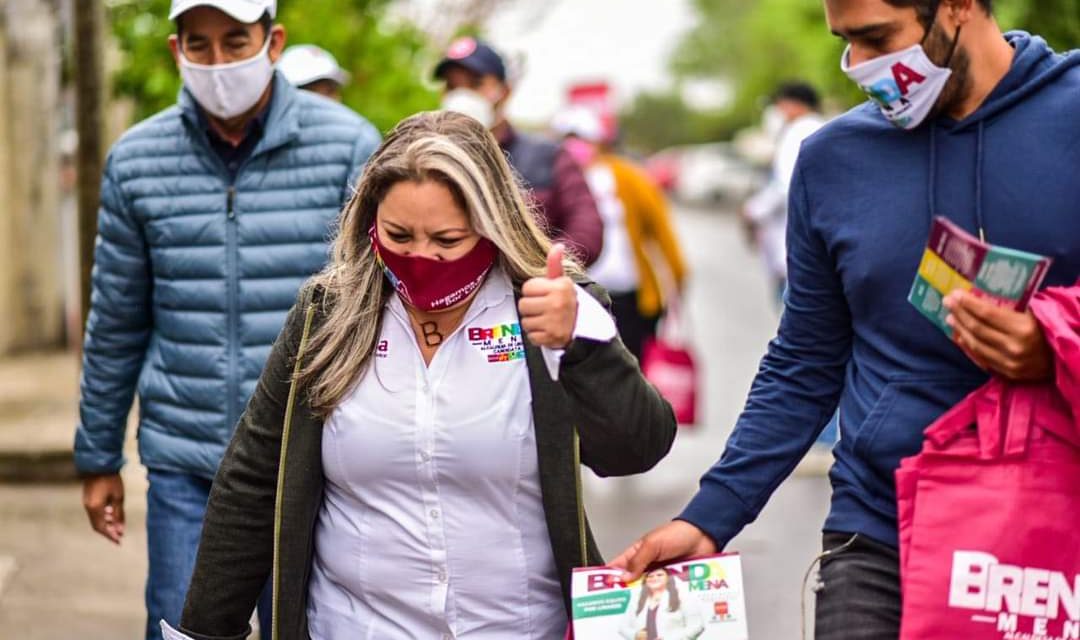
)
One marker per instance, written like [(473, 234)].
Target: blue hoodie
[(861, 202)]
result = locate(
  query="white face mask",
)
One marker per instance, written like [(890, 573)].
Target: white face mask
[(228, 90), (773, 122), (470, 103), (906, 84)]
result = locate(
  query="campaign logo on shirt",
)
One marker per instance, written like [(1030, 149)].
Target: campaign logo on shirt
[(501, 343)]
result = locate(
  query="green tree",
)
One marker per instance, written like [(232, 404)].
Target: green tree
[(1056, 20), (654, 121), (757, 45), (388, 58)]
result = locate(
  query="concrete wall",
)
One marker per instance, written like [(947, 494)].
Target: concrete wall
[(31, 275)]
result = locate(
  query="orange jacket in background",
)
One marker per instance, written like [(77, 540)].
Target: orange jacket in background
[(648, 224)]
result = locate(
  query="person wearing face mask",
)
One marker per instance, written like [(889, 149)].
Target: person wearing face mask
[(476, 84), (637, 227), (213, 213), (964, 122), (793, 115), (408, 466), (314, 69)]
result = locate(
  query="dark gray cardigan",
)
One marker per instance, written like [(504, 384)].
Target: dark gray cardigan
[(259, 525)]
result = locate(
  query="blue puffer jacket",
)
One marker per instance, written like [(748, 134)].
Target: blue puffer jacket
[(193, 275)]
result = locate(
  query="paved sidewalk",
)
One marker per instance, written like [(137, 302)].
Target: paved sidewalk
[(38, 409), (67, 581), (59, 579)]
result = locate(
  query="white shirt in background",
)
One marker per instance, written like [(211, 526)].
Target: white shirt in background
[(615, 268), (768, 207)]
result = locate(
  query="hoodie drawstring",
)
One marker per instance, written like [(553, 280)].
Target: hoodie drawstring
[(932, 178), (978, 183), (931, 188)]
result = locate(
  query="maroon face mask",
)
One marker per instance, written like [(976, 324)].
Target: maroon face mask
[(431, 285)]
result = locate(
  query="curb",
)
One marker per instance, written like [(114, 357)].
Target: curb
[(8, 567), (43, 466)]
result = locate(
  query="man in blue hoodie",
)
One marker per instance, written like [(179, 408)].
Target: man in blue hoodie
[(968, 123)]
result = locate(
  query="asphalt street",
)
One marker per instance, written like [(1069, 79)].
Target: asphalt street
[(731, 320)]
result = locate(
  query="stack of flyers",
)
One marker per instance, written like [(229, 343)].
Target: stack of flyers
[(955, 259), (699, 599)]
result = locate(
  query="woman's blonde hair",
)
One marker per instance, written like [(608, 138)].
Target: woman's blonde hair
[(459, 153)]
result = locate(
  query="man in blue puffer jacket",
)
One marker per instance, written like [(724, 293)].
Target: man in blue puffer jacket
[(213, 213)]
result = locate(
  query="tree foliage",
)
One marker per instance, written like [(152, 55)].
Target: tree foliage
[(388, 58), (657, 120), (756, 45)]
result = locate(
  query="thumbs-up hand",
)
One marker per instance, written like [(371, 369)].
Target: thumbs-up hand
[(548, 306)]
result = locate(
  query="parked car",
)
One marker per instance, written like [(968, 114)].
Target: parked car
[(714, 174), (663, 167)]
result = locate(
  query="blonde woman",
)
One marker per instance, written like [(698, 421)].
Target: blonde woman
[(417, 477)]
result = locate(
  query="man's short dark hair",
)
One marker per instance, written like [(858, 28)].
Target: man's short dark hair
[(800, 92), (265, 20), (928, 8)]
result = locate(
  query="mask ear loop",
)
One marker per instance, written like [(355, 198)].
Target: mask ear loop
[(952, 49), (956, 36)]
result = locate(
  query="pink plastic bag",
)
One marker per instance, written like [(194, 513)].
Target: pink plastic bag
[(989, 543), (668, 363)]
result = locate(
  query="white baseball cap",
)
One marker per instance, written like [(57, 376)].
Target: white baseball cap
[(580, 121), (305, 63), (246, 11)]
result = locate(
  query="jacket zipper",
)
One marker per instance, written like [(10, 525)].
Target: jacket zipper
[(232, 293), (278, 500)]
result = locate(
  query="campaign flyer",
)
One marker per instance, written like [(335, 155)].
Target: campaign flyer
[(955, 259), (699, 599)]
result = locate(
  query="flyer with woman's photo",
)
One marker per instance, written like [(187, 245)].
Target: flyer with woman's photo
[(699, 599)]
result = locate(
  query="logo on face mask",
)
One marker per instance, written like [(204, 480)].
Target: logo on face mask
[(432, 285), (889, 90), (906, 85)]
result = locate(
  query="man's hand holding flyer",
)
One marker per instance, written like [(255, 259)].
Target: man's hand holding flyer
[(955, 259), (702, 598)]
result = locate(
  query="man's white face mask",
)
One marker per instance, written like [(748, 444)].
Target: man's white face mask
[(906, 84), (472, 104), (228, 90), (773, 122)]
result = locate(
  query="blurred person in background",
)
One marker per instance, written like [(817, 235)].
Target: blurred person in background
[(213, 213), (638, 229), (314, 69), (965, 122), (792, 116), (475, 83)]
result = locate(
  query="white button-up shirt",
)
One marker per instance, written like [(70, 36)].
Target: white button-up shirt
[(432, 525)]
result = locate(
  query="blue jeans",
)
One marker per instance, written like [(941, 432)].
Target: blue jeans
[(859, 596), (175, 506)]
